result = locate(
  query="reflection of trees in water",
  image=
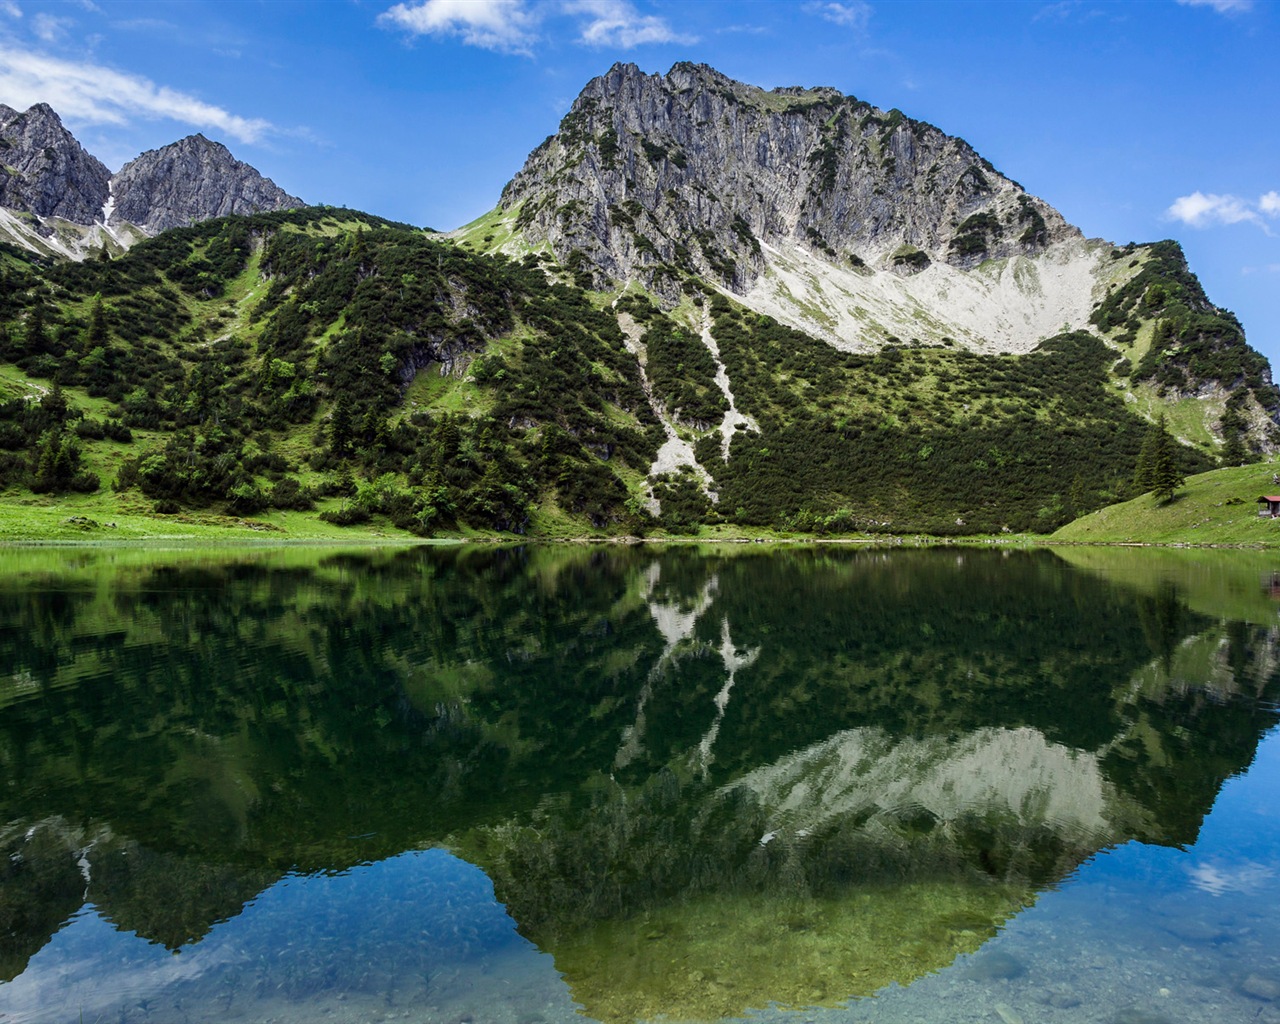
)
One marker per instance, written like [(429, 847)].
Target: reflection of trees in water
[(1163, 621), (581, 718)]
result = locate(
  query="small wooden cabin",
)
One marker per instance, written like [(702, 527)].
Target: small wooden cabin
[(1270, 506)]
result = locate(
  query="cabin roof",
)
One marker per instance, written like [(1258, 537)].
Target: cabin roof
[(1270, 498)]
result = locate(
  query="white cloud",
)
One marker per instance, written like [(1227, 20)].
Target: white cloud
[(50, 27), (1201, 210), (617, 23), (10, 8), (854, 14), (512, 26), (96, 95), (507, 26), (1221, 6)]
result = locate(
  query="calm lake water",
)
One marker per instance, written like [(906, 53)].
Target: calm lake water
[(539, 784)]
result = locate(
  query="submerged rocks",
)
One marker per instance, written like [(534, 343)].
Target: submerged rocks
[(1266, 989)]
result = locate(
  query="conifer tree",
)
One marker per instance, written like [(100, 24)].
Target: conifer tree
[(37, 334), (1234, 427), (98, 333), (1158, 470)]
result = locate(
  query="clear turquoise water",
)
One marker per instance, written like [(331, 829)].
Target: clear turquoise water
[(539, 784)]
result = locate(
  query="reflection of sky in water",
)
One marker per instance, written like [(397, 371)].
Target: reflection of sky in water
[(1139, 935), (420, 932)]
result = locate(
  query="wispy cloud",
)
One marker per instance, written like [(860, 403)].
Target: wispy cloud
[(1059, 11), (1203, 210), (92, 94), (1216, 879), (1221, 6), (1070, 10), (507, 26), (50, 27), (10, 9), (617, 23), (854, 14), (515, 26)]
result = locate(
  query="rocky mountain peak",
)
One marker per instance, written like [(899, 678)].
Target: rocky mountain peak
[(45, 171), (654, 176), (46, 175), (190, 180)]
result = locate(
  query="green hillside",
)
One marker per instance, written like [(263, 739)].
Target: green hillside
[(320, 362), (308, 372), (1218, 507)]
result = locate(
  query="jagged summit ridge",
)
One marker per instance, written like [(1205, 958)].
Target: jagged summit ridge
[(43, 169), (192, 179), (58, 200), (653, 175)]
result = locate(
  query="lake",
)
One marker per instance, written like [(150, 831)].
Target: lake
[(539, 783)]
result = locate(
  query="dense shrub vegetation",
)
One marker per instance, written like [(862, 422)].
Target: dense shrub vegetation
[(922, 439), (1194, 343), (227, 341), (330, 361)]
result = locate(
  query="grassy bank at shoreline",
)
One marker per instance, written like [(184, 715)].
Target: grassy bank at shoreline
[(1215, 509)]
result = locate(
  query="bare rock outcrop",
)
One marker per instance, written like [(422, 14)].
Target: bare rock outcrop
[(47, 176), (191, 180), (45, 171), (653, 175)]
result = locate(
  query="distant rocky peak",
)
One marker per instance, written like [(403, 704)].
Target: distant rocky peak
[(46, 174), (45, 171), (191, 180), (654, 176)]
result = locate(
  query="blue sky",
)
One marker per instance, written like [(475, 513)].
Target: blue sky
[(1138, 121)]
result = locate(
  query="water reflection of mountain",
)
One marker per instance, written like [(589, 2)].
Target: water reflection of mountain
[(631, 743)]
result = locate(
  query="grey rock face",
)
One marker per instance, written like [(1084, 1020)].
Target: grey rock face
[(191, 180), (45, 171), (694, 171)]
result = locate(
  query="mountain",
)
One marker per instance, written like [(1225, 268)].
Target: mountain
[(59, 201), (190, 180), (864, 228), (46, 172), (651, 175), (698, 305)]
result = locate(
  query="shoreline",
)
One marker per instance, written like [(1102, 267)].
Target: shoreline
[(259, 542)]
